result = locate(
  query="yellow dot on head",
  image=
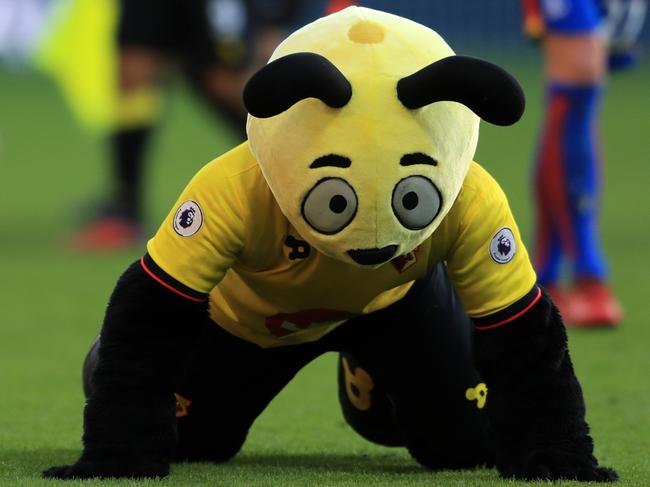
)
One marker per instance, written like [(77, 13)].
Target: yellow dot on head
[(366, 32)]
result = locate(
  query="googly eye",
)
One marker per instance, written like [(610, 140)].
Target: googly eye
[(330, 205), (416, 202)]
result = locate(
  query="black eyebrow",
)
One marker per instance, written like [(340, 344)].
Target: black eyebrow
[(417, 158), (332, 160)]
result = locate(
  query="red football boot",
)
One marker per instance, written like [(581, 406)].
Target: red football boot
[(106, 233), (592, 304)]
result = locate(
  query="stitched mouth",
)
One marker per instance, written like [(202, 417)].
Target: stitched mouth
[(373, 256)]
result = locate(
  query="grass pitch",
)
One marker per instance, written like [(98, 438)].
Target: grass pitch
[(52, 301)]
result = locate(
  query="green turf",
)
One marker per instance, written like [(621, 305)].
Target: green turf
[(52, 300)]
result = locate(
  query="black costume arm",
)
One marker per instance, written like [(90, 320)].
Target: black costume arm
[(129, 419), (535, 401)]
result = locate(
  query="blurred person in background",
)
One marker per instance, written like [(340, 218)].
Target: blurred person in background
[(577, 42), (215, 44)]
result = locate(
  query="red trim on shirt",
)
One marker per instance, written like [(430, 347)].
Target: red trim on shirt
[(160, 281), (512, 318)]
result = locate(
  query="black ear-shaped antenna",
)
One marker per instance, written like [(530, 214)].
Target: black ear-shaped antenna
[(289, 79), (488, 90)]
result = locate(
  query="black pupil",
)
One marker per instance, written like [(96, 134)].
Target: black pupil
[(338, 204), (410, 200)]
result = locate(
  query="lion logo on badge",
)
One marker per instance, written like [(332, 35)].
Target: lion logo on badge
[(188, 219), (503, 246)]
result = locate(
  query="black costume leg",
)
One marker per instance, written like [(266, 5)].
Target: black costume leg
[(225, 385), (230, 382), (366, 407), (427, 392)]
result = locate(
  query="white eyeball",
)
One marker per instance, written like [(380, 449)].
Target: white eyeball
[(416, 202), (330, 205)]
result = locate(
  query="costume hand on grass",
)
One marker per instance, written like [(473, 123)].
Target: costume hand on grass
[(130, 415), (536, 407), (557, 464), (105, 469)]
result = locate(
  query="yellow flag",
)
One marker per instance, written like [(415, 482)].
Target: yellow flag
[(79, 52)]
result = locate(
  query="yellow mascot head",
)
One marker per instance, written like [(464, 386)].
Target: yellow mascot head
[(364, 125)]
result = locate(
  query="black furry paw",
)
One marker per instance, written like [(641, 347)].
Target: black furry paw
[(552, 464), (87, 470)]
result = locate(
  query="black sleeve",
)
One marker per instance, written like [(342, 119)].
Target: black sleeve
[(535, 402), (510, 313), (157, 274), (129, 420)]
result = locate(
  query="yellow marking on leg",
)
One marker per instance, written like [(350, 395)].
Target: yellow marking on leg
[(478, 393), (182, 406), (363, 384)]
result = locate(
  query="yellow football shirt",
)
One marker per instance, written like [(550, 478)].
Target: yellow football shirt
[(227, 238)]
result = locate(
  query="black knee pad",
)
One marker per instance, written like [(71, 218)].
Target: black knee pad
[(89, 365), (367, 409), (450, 452)]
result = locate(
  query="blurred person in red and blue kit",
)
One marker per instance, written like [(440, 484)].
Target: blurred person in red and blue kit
[(580, 38)]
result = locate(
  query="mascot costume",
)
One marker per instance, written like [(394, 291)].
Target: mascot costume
[(352, 220)]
